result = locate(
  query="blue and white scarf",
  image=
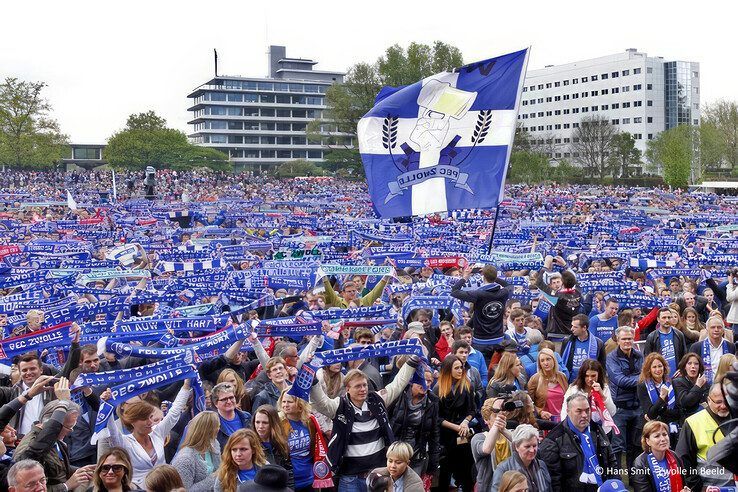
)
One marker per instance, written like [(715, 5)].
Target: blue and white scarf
[(707, 360), (591, 463), (654, 392)]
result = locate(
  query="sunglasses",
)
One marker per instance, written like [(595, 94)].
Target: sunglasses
[(115, 468)]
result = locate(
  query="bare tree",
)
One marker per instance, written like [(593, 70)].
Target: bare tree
[(592, 141)]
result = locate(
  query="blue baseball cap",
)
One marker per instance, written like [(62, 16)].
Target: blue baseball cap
[(612, 485)]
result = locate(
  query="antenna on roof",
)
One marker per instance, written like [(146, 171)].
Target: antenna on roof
[(215, 52)]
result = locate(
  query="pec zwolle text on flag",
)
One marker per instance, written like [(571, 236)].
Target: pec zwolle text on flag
[(444, 142)]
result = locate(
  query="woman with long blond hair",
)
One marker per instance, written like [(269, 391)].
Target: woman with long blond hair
[(199, 455), (724, 365), (300, 430), (455, 410), (547, 386), (509, 372), (242, 457)]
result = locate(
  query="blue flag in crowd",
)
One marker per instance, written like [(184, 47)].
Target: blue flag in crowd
[(443, 143)]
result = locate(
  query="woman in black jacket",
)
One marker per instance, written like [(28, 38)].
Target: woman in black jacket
[(660, 468), (414, 420), (691, 386), (456, 410), (656, 395)]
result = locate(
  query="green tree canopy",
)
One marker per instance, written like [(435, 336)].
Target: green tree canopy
[(624, 154), (146, 141), (29, 137), (673, 149), (299, 167), (348, 102), (146, 121)]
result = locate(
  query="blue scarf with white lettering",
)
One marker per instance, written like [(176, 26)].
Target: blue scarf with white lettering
[(126, 391), (591, 463), (46, 339), (654, 392), (707, 360), (304, 379)]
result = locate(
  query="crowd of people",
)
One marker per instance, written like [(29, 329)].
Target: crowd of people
[(236, 332)]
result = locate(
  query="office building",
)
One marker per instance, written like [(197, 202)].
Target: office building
[(638, 94), (262, 122)]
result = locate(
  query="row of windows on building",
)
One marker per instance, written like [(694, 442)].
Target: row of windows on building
[(566, 126), (593, 78), (273, 154), (250, 85), (260, 98), (251, 125), (594, 93), (586, 109), (575, 155), (253, 139), (261, 112)]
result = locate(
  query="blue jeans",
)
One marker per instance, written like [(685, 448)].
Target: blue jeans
[(627, 422), (351, 483)]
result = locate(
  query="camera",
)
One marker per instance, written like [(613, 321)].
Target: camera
[(505, 391)]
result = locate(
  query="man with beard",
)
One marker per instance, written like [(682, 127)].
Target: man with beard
[(667, 341)]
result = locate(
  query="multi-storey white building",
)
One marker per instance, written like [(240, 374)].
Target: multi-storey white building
[(261, 122), (639, 94)]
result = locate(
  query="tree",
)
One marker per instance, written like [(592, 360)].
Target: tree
[(348, 102), (624, 154), (723, 117), (299, 167), (29, 137), (146, 141), (146, 121), (528, 167), (674, 150), (593, 141)]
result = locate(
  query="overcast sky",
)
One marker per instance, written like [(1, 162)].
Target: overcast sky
[(105, 60)]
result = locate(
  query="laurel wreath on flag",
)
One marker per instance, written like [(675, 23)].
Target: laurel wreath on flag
[(484, 120), (389, 132)]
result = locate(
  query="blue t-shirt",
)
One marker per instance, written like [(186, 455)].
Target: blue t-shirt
[(602, 329), (301, 454), (247, 475), (581, 353), (666, 341), (230, 426)]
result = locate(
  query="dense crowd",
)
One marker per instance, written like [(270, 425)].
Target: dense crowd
[(236, 332)]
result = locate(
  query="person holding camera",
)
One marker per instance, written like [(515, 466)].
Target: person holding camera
[(494, 446)]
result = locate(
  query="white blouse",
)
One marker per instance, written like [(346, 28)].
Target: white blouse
[(140, 459)]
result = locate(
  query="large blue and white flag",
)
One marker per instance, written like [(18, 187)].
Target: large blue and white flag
[(444, 142)]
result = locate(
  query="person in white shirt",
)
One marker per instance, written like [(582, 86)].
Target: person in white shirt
[(145, 443)]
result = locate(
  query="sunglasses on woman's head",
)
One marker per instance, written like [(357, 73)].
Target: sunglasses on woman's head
[(116, 468)]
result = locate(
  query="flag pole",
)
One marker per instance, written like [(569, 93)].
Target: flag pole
[(509, 149), (494, 225)]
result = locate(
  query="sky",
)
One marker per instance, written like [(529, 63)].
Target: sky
[(104, 60)]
